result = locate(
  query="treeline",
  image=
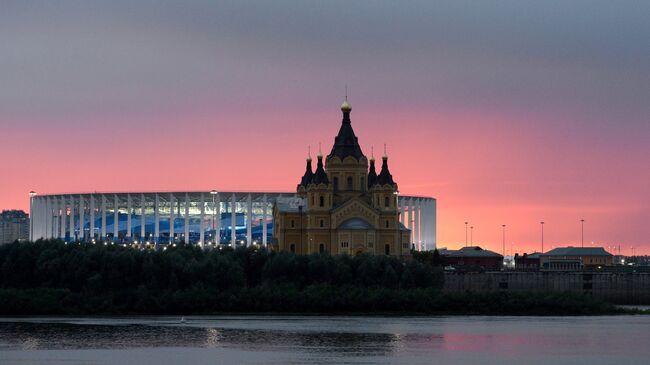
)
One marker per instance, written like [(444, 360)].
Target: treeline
[(50, 277)]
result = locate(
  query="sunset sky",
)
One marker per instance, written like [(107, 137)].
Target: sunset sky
[(507, 112)]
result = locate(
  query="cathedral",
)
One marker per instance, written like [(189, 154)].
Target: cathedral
[(344, 206)]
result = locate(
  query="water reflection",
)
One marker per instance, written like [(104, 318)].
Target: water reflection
[(65, 336), (325, 340)]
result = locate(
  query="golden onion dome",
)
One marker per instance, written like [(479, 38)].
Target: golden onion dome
[(346, 107)]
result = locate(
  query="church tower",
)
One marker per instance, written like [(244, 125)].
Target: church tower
[(347, 208)]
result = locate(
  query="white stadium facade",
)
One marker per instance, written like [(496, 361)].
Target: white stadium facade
[(203, 218)]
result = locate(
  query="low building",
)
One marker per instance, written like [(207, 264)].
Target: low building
[(14, 226), (527, 262), (575, 258), (472, 258)]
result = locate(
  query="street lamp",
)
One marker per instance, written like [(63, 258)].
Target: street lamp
[(542, 223), (471, 235), (503, 226), (465, 234), (582, 232)]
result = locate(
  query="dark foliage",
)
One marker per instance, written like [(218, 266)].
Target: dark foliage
[(50, 277)]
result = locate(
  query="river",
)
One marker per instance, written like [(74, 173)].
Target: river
[(200, 340)]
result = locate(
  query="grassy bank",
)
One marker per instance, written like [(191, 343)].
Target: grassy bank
[(51, 277)]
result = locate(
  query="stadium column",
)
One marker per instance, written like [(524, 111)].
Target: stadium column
[(55, 218), (33, 218), (48, 217), (425, 224), (187, 218), (409, 223), (64, 212), (71, 220), (82, 218), (44, 217), (91, 207), (264, 217), (233, 220), (171, 218), (156, 220), (103, 208), (116, 218), (202, 222), (143, 220), (402, 211), (129, 209), (217, 223), (249, 220), (434, 223)]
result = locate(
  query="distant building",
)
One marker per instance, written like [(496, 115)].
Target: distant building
[(575, 258), (527, 262), (473, 258), (14, 225)]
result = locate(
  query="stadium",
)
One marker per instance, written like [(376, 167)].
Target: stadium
[(204, 218)]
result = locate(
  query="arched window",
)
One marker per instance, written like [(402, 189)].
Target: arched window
[(321, 248), (386, 201), (292, 248), (322, 201), (387, 249), (336, 184), (349, 182)]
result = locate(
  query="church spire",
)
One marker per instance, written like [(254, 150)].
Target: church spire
[(346, 142), (320, 176), (309, 175), (372, 174), (384, 176)]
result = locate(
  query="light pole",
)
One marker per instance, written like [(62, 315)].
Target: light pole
[(503, 226), (471, 235), (542, 223), (214, 213), (465, 234), (582, 233)]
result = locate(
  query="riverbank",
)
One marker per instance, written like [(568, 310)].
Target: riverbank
[(317, 300)]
